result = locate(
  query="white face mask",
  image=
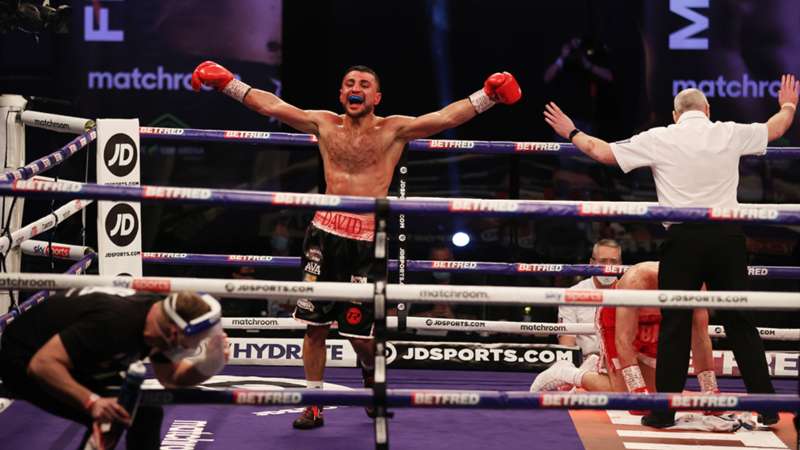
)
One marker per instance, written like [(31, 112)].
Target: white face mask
[(605, 281)]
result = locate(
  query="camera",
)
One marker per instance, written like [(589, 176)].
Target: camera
[(33, 16)]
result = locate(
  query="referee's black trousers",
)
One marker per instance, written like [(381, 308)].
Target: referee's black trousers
[(715, 254)]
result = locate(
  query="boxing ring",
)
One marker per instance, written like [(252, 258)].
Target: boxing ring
[(434, 409)]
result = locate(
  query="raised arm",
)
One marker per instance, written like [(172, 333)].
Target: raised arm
[(266, 103), (787, 99), (593, 147), (498, 88), (433, 123)]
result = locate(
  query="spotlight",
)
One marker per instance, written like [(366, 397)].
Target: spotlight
[(460, 239)]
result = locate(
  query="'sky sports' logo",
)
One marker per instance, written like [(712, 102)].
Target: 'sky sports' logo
[(122, 224), (120, 155)]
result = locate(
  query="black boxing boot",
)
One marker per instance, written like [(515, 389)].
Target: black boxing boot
[(309, 419)]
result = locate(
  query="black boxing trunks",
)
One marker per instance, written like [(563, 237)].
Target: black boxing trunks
[(338, 247)]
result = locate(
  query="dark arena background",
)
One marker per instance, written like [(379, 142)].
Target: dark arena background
[(613, 65)]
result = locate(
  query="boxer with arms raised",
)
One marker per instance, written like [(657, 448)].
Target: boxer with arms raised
[(359, 152)]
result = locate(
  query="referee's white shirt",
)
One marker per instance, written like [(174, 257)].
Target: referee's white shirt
[(694, 162), (581, 314)]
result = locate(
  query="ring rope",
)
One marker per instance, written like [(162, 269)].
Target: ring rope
[(51, 160), (77, 125), (491, 326), (768, 214), (415, 293), (33, 247), (471, 399), (475, 399), (476, 267), (56, 122), (425, 145)]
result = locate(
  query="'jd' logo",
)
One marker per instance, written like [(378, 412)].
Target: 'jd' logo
[(120, 155), (122, 224)]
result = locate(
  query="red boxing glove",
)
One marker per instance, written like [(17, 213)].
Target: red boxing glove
[(209, 73), (502, 88), (499, 87)]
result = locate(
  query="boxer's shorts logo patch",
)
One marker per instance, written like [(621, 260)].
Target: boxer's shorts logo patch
[(312, 268), (314, 254), (353, 316), (305, 304)]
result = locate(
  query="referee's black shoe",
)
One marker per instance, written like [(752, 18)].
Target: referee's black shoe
[(769, 418), (368, 375), (369, 381), (659, 419)]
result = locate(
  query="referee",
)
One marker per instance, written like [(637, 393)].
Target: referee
[(695, 163)]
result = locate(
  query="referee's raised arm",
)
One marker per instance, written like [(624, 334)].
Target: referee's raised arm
[(593, 147), (602, 151), (787, 100)]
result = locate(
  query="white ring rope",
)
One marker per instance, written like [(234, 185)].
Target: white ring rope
[(33, 247), (767, 334), (45, 179), (41, 225), (489, 326), (609, 297), (415, 293), (56, 122)]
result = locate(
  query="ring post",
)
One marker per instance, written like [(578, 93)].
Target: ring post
[(379, 297), (402, 307), (119, 230), (12, 153)]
